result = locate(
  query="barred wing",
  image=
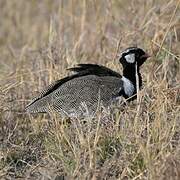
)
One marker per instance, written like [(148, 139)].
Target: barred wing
[(78, 94), (82, 95)]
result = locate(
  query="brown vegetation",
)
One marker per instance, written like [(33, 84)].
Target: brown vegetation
[(39, 40)]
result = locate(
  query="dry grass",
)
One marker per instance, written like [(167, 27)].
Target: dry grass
[(39, 40)]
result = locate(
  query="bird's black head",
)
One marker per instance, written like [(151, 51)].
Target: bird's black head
[(133, 55)]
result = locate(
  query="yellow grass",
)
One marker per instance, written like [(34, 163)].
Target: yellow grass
[(39, 40)]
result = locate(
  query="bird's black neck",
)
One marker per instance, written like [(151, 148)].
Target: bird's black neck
[(129, 72)]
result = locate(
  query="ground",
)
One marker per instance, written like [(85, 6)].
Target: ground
[(39, 40)]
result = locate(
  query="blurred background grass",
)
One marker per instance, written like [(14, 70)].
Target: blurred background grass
[(39, 40)]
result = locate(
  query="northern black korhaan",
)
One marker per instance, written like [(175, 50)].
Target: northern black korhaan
[(77, 94)]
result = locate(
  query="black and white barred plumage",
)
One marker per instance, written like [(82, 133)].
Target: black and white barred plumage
[(90, 85)]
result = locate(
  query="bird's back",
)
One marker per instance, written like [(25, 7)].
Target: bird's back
[(79, 95)]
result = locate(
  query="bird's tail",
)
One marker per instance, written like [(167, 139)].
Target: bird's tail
[(41, 105)]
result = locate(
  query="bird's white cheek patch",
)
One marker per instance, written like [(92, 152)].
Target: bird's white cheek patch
[(130, 58)]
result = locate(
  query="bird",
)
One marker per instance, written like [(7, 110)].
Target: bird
[(91, 85)]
